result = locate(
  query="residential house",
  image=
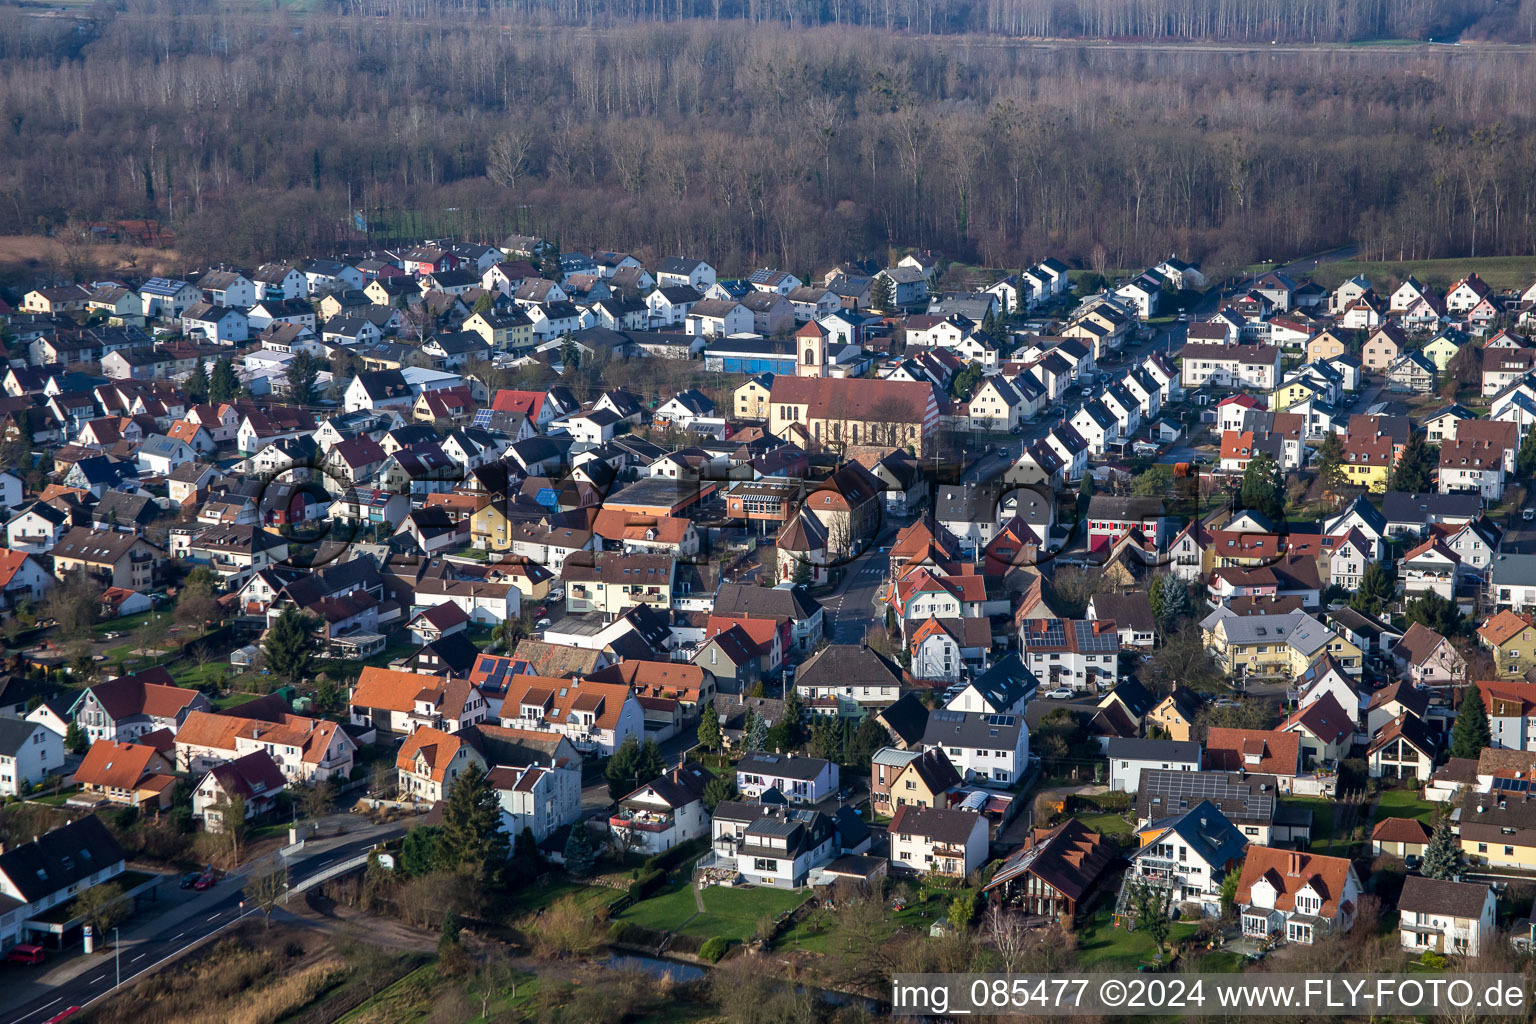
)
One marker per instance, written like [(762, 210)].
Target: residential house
[(1055, 874), (52, 869), (664, 812), (129, 774), (937, 841), (1511, 638), (1299, 896), (255, 778), (125, 708), (594, 716), (985, 748), (430, 761), (1129, 757), (1403, 749), (401, 702), (773, 844), (1446, 916), (798, 778), (1188, 856), (30, 751)]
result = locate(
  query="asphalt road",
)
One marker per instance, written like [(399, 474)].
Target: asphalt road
[(221, 909), (850, 608)]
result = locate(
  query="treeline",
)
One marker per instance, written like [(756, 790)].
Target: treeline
[(248, 132), (1300, 21)]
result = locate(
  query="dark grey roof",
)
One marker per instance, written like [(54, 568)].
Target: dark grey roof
[(61, 858), (952, 827), (973, 729), (906, 720), (1244, 799), (1442, 896), (1006, 682), (847, 665), (14, 733), (1402, 507), (782, 765), (1170, 751), (793, 603)]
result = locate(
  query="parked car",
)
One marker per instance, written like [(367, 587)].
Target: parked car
[(542, 624), (1060, 693), (189, 879), (31, 955), (205, 881), (1528, 514)]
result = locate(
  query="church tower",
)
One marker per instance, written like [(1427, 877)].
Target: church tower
[(811, 350)]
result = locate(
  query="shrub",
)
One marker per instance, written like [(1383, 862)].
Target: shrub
[(619, 931), (714, 948), (1113, 802)]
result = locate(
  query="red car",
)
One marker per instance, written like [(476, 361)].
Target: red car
[(62, 1016), (205, 882), (25, 955)]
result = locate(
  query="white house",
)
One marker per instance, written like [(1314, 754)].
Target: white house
[(1298, 896), (800, 779), (1249, 367), (1446, 916), (930, 840), (541, 798), (992, 749), (1192, 856), (595, 717), (772, 845), (1129, 757), (28, 752), (664, 812)]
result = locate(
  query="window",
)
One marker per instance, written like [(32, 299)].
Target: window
[(764, 864)]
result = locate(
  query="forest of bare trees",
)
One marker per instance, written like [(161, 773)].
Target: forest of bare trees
[(247, 132)]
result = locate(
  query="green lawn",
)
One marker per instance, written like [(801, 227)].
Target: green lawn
[(1102, 943), (731, 913), (1498, 271), (1105, 823), (234, 700), (1405, 803), (126, 624), (1323, 839)]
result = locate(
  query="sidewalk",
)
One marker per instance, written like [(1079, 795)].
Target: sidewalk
[(174, 907)]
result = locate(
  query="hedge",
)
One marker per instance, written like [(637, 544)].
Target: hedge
[(647, 883), (666, 860), (715, 948)]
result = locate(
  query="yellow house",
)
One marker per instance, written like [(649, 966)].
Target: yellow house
[(1175, 715), (490, 529), (1287, 395), (121, 305), (1497, 832), (1441, 350), (1511, 638), (1326, 346), (751, 399), (1368, 460), (504, 332), (1273, 645), (924, 782)]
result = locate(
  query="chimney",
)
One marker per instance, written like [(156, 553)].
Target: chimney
[(1295, 863)]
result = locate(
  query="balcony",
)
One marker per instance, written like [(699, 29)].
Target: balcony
[(642, 821)]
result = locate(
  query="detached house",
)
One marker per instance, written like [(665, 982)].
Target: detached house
[(928, 840), (127, 707), (1446, 916), (1299, 896)]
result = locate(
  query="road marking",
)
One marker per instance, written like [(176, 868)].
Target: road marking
[(177, 936), (97, 981), (136, 959), (215, 917)]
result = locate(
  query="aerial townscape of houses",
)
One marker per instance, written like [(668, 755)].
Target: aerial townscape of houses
[(869, 515)]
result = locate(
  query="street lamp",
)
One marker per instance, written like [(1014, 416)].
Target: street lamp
[(117, 956)]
